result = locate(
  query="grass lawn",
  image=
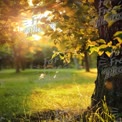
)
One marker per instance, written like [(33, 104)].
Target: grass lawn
[(59, 89)]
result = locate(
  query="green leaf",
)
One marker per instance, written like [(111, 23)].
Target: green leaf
[(107, 3), (54, 55), (117, 7), (118, 34), (61, 57)]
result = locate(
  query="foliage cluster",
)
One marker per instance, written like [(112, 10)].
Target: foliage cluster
[(73, 27), (100, 46)]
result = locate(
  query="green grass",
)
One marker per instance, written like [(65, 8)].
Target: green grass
[(24, 93)]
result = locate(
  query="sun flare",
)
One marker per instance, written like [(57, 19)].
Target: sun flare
[(36, 37)]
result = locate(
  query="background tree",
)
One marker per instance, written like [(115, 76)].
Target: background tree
[(5, 57), (10, 22)]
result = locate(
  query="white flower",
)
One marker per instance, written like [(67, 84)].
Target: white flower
[(54, 76), (41, 76)]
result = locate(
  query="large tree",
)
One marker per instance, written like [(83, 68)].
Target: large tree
[(109, 76), (108, 85)]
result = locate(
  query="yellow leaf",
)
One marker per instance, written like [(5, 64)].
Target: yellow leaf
[(103, 46), (108, 53), (118, 45), (117, 33), (101, 41), (100, 53), (109, 43), (91, 43), (119, 39)]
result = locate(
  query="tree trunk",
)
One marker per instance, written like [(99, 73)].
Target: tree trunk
[(16, 59), (109, 69), (86, 61), (17, 64)]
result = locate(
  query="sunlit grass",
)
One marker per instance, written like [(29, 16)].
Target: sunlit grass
[(22, 93), (73, 97)]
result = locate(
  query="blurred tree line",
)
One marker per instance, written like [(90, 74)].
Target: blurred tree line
[(41, 59)]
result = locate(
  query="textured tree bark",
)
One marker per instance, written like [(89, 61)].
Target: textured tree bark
[(109, 75)]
